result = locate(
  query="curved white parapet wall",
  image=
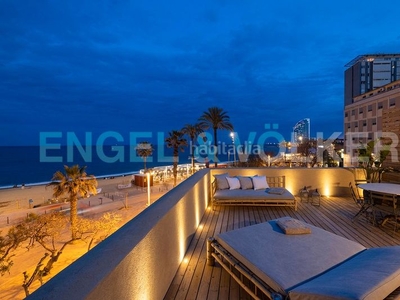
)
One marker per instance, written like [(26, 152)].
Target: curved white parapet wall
[(140, 260)]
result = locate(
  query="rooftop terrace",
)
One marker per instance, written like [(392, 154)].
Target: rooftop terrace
[(161, 254), (196, 280)]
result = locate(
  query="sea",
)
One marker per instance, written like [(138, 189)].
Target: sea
[(35, 165)]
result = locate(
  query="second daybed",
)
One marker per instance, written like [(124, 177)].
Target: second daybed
[(301, 261), (251, 190)]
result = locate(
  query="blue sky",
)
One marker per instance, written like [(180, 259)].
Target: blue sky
[(153, 66)]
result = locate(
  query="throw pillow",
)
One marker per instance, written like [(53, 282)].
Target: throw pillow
[(234, 183), (293, 226), (276, 191), (260, 182), (222, 183), (245, 183)]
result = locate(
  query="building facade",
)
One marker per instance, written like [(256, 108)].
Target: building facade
[(371, 116), (369, 72)]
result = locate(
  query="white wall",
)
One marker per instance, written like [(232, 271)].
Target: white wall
[(140, 260)]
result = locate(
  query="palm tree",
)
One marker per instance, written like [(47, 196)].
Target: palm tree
[(177, 142), (215, 118), (74, 182), (144, 149), (192, 131)]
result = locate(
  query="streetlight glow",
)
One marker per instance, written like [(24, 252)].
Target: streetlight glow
[(148, 188), (234, 148)]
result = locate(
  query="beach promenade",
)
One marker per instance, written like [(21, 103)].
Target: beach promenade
[(15, 206), (16, 203)]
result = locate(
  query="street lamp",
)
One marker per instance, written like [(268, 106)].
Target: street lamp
[(148, 188), (288, 149), (300, 148), (234, 152)]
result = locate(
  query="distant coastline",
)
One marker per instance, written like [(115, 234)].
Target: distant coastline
[(27, 185), (21, 165)]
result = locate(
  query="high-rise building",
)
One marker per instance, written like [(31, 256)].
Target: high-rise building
[(301, 131), (375, 114), (368, 72)]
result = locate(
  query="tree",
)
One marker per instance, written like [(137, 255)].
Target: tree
[(94, 231), (371, 163), (75, 182), (8, 244), (254, 160), (144, 150), (215, 118), (44, 230), (177, 142), (192, 131), (307, 148)]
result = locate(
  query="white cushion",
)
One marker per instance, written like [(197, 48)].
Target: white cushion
[(260, 182), (234, 183), (371, 274)]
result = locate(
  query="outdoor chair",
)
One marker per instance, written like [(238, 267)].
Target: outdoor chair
[(387, 206), (360, 176), (363, 203)]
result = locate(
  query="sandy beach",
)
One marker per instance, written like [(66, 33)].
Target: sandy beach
[(14, 198), (15, 205)]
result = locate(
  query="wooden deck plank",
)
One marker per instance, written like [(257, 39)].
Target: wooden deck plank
[(205, 282), (215, 291), (359, 230), (199, 272), (179, 285), (196, 280)]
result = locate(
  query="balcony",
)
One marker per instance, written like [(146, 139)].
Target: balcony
[(161, 254)]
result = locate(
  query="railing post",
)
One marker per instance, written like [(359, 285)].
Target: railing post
[(210, 251)]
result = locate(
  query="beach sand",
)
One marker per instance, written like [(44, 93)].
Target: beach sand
[(15, 205), (17, 198)]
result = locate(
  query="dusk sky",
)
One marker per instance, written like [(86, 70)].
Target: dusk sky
[(153, 66)]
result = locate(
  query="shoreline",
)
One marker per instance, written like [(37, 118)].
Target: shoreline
[(105, 176), (108, 176), (32, 194)]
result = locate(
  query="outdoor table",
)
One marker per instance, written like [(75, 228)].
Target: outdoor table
[(384, 189), (387, 188)]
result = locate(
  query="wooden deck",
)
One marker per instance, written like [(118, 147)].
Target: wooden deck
[(195, 280)]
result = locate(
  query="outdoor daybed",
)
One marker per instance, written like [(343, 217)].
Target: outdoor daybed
[(254, 190), (306, 262)]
